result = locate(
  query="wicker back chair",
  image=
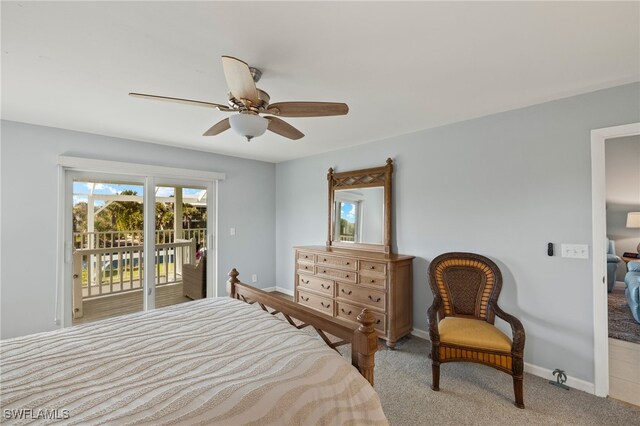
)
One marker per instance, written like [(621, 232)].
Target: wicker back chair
[(466, 287), (194, 279)]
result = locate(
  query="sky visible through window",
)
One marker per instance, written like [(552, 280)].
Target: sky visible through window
[(348, 212), (81, 190)]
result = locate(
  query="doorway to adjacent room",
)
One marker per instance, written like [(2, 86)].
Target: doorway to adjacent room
[(616, 199)]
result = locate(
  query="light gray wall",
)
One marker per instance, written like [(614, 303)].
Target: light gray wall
[(622, 156), (504, 186), (246, 201)]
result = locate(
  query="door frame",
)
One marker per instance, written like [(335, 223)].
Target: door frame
[(599, 263), (148, 175)]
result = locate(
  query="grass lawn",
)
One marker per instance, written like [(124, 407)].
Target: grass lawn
[(128, 274)]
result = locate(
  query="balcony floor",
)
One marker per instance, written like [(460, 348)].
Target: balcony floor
[(126, 303)]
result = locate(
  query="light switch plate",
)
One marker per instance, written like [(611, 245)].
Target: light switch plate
[(575, 251), (232, 231), (254, 278)]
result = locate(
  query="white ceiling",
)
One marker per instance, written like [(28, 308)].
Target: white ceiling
[(400, 67)]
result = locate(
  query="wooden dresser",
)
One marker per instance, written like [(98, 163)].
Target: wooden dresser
[(340, 282)]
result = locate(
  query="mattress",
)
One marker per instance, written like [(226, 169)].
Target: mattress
[(211, 361)]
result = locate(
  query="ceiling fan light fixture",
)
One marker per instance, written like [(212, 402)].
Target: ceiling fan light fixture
[(249, 101), (248, 125)]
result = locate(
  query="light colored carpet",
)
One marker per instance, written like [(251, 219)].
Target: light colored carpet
[(473, 394)]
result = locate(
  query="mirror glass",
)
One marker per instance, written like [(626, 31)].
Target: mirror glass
[(359, 215)]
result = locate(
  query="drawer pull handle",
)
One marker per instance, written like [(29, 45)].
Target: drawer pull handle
[(325, 287), (325, 306), (378, 322), (375, 300), (347, 292), (304, 282), (324, 272), (345, 312), (347, 263), (324, 260), (373, 267), (373, 281), (303, 298), (346, 276)]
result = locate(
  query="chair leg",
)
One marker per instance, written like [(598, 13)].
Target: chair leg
[(517, 390), (435, 373)]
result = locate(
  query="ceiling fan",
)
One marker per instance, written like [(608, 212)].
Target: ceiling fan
[(249, 103)]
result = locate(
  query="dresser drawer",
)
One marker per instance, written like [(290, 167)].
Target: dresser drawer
[(337, 274), (305, 268), (316, 284), (340, 262), (373, 281), (304, 256), (350, 312), (319, 303), (375, 299), (373, 267)]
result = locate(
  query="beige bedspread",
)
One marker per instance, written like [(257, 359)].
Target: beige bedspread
[(212, 361)]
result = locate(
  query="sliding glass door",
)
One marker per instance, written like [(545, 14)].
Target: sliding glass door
[(181, 243), (137, 243)]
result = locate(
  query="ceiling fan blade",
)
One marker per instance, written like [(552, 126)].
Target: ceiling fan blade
[(239, 79), (218, 128), (283, 128), (307, 109), (181, 101)]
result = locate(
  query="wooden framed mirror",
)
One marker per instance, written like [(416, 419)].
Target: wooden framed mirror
[(360, 209)]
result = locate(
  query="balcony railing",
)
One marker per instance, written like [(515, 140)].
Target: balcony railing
[(106, 239), (120, 268)]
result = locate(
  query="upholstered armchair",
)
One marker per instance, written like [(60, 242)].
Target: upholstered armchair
[(466, 287), (632, 292), (612, 264), (194, 279)]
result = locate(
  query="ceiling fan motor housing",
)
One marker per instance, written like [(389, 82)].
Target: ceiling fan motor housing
[(260, 106), (255, 73)]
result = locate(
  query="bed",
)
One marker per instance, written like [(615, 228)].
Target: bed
[(224, 361)]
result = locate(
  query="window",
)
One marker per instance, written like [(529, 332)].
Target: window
[(348, 223)]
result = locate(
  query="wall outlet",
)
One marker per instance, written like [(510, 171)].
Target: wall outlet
[(232, 231), (254, 278), (575, 251)]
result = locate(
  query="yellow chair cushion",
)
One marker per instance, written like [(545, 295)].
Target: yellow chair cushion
[(473, 333)]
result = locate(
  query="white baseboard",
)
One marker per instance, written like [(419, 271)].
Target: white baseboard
[(280, 290), (545, 373), (420, 333), (572, 382)]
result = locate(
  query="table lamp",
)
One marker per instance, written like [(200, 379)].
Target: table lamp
[(633, 221)]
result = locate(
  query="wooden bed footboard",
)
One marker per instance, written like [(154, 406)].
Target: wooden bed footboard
[(363, 338)]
